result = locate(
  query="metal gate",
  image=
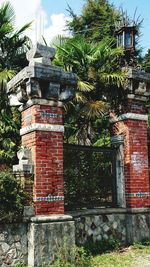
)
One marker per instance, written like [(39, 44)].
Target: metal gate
[(89, 177)]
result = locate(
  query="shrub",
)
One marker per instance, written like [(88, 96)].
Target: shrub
[(76, 257), (145, 242), (141, 244), (102, 246), (12, 197)]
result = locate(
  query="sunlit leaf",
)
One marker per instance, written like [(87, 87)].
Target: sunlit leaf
[(84, 86), (94, 109)]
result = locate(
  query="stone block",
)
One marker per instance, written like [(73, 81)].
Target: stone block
[(45, 238), (28, 212)]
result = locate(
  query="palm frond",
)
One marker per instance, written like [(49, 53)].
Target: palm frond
[(92, 73), (23, 29), (78, 50), (115, 78), (94, 109), (5, 75), (5, 29), (80, 97), (85, 86), (58, 41), (7, 13), (63, 50)]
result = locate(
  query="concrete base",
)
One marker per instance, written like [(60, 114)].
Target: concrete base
[(137, 226), (46, 234)]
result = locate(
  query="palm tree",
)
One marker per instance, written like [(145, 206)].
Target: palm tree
[(13, 46), (13, 43), (96, 66)]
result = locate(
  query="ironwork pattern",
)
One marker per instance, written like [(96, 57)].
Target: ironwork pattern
[(89, 177)]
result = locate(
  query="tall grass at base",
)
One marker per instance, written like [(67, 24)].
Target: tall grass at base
[(76, 257)]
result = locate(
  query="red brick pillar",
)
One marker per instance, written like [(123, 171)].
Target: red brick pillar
[(39, 89), (133, 125), (42, 132), (136, 155)]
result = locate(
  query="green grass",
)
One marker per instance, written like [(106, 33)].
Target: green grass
[(137, 255)]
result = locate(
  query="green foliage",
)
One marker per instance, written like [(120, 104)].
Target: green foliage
[(102, 246), (13, 46), (97, 69), (12, 197), (88, 178), (92, 55), (126, 257), (102, 137), (148, 112), (9, 132), (92, 62), (76, 257), (97, 20), (146, 242), (142, 244), (146, 61), (13, 43)]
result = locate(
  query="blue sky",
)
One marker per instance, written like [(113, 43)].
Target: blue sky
[(59, 6), (54, 15)]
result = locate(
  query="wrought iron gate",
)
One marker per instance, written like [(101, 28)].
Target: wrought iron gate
[(89, 177)]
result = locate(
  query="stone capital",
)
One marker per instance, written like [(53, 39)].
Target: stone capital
[(40, 101), (139, 97), (138, 84), (41, 80), (131, 116)]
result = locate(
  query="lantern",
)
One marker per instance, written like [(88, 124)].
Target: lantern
[(126, 37)]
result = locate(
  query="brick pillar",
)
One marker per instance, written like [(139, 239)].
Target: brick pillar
[(136, 155), (42, 132), (39, 89), (133, 125)]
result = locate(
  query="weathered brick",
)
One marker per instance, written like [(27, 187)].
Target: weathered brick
[(136, 156), (47, 155)]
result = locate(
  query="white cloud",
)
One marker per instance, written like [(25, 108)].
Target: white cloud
[(25, 10), (29, 10), (57, 27)]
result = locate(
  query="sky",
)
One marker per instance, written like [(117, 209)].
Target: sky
[(49, 16)]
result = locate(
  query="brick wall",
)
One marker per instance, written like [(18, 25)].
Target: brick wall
[(136, 167), (42, 114), (47, 155), (134, 106), (133, 126)]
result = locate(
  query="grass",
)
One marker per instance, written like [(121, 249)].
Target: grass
[(137, 255)]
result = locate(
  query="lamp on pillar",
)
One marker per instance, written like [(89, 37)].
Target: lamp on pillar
[(126, 34), (132, 123), (126, 37)]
